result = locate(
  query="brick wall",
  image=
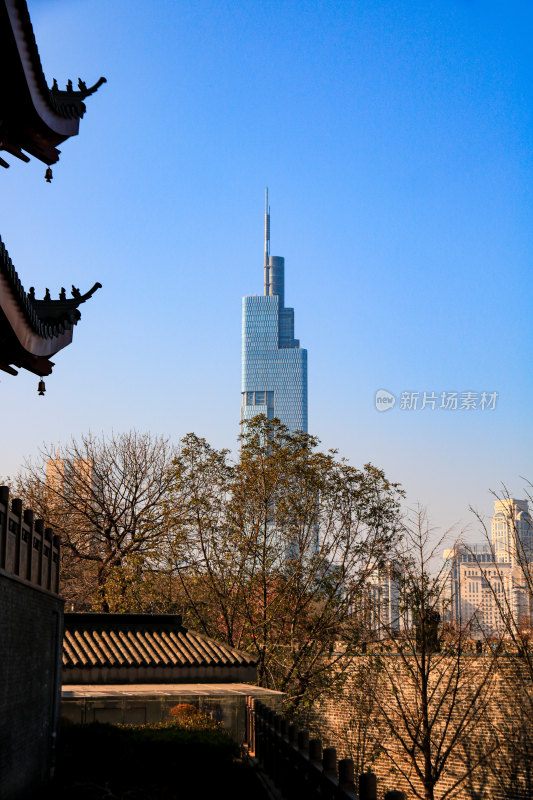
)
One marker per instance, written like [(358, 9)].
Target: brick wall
[(30, 640), (29, 620), (502, 729)]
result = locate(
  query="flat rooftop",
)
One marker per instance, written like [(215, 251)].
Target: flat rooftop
[(76, 691)]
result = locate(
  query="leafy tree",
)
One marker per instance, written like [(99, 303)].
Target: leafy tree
[(275, 549)]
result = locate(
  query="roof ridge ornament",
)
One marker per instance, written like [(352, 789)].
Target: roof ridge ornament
[(68, 102), (66, 307), (81, 93)]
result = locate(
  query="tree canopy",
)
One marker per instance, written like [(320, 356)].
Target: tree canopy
[(269, 552), (105, 497), (276, 548)]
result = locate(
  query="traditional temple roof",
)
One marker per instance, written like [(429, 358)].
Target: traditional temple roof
[(31, 331), (33, 117), (146, 648)]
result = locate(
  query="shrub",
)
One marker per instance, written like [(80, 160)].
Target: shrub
[(124, 756), (191, 718)]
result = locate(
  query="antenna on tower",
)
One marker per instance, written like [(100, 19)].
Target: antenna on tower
[(267, 242)]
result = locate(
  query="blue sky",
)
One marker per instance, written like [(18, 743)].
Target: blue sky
[(395, 138)]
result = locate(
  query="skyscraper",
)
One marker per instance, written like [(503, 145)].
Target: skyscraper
[(274, 366)]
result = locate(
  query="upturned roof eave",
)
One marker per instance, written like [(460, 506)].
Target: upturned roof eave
[(60, 128), (30, 341), (33, 116), (32, 330)]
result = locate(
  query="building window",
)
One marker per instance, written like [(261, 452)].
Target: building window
[(259, 399)]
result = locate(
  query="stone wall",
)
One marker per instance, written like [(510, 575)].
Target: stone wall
[(499, 736), (30, 641)]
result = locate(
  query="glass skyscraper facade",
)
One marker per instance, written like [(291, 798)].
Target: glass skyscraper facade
[(274, 366)]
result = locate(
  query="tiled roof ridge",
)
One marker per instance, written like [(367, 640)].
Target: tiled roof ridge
[(40, 313), (142, 640)]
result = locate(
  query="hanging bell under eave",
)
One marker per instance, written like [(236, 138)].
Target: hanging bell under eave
[(41, 388), (48, 175)]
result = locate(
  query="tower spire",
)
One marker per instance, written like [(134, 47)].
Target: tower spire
[(267, 242)]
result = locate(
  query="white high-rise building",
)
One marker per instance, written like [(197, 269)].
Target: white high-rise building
[(482, 596), (517, 587), (459, 560), (383, 601), (486, 585), (512, 532)]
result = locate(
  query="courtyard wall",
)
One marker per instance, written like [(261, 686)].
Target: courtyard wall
[(30, 650), (500, 737)]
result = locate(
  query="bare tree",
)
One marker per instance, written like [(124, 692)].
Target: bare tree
[(431, 687), (106, 499), (511, 592)]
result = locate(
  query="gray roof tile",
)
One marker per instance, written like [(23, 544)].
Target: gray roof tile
[(141, 640)]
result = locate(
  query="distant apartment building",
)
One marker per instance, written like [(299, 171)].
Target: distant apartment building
[(382, 600), (512, 532), (519, 596), (482, 596), (70, 476), (384, 593), (485, 585), (460, 561)]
